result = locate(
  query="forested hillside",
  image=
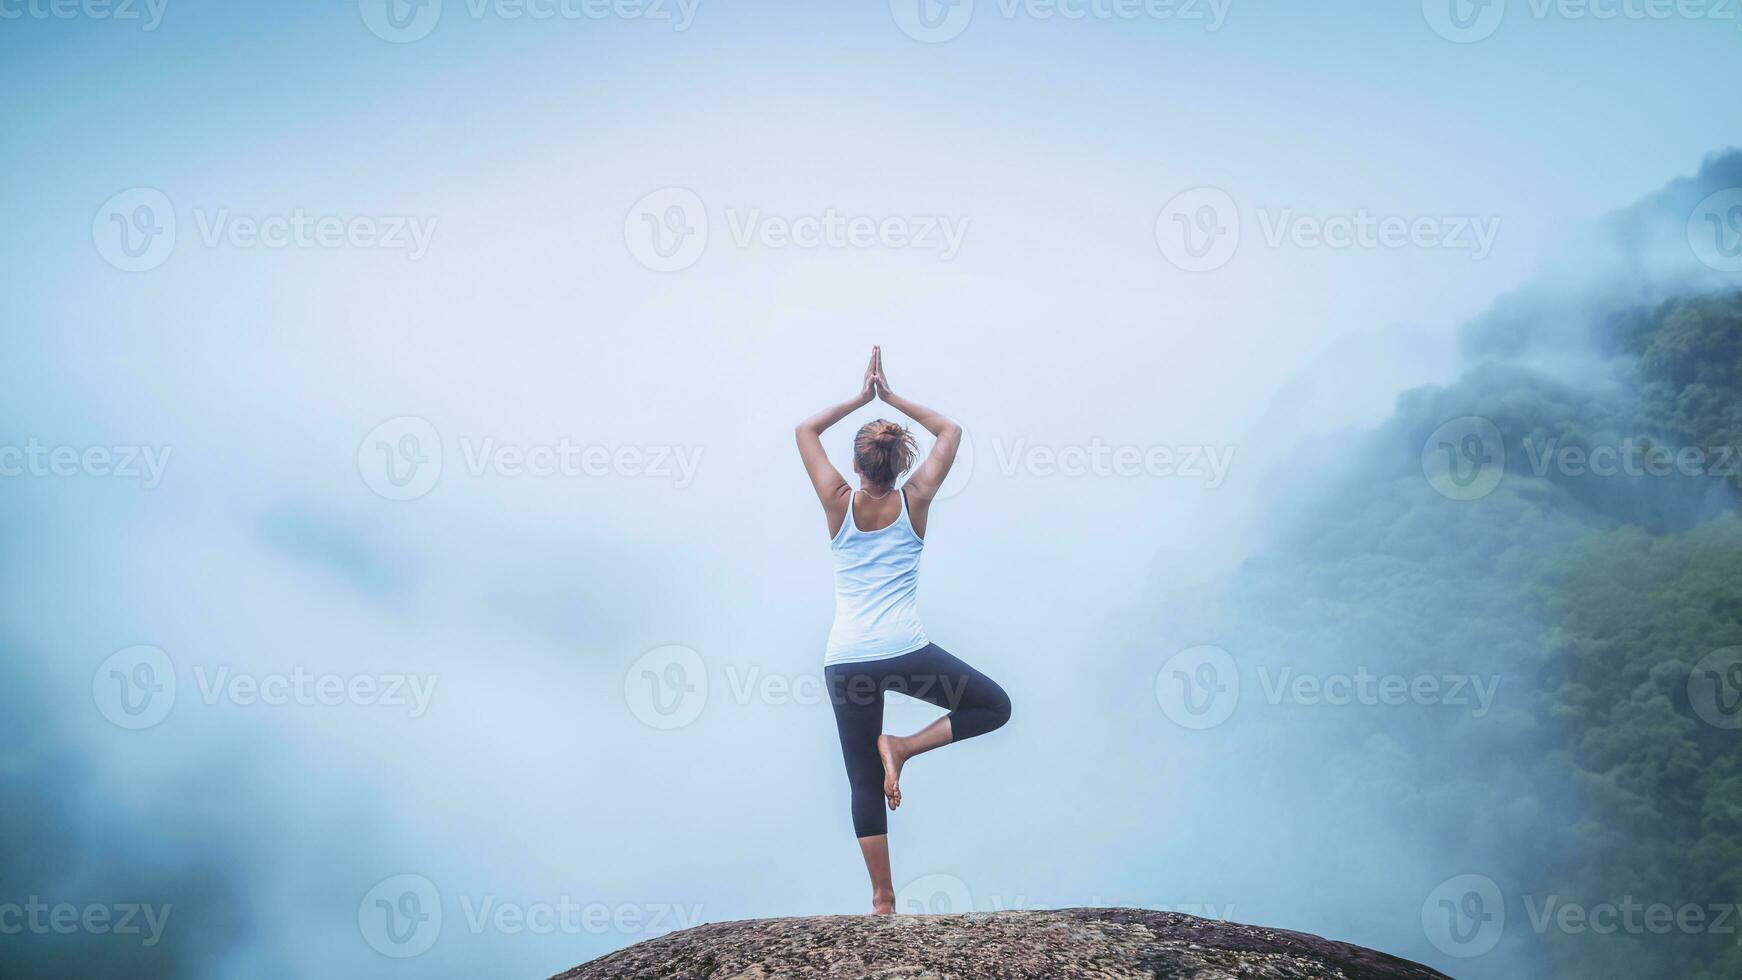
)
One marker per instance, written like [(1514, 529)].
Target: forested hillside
[(1597, 586)]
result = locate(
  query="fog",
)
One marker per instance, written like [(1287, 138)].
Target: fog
[(465, 677)]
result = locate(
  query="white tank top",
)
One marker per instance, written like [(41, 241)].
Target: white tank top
[(876, 590)]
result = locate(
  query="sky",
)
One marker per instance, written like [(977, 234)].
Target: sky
[(469, 266)]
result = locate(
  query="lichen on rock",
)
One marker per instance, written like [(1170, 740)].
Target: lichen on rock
[(1065, 944)]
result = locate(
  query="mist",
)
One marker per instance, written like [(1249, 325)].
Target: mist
[(478, 563)]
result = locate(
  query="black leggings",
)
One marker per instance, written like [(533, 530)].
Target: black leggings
[(977, 705)]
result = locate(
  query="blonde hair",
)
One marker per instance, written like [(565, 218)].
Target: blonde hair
[(883, 450)]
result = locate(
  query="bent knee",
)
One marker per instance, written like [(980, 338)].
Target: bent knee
[(999, 710)]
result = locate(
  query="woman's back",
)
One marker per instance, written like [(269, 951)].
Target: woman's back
[(876, 582)]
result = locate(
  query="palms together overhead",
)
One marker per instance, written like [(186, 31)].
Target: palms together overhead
[(875, 384)]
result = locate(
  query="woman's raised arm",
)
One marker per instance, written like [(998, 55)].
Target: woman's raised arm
[(926, 480), (827, 481)]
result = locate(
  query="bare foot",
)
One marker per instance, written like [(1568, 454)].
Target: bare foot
[(889, 749), (883, 904)]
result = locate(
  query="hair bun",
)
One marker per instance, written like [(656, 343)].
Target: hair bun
[(883, 450)]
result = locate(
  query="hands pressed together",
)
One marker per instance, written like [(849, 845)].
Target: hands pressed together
[(875, 384)]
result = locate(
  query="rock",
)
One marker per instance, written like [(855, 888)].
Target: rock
[(1106, 944)]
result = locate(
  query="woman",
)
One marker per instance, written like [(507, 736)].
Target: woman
[(877, 643)]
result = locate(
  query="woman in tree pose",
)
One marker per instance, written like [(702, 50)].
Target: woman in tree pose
[(877, 645)]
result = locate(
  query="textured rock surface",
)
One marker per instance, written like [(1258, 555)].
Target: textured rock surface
[(1107, 944)]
